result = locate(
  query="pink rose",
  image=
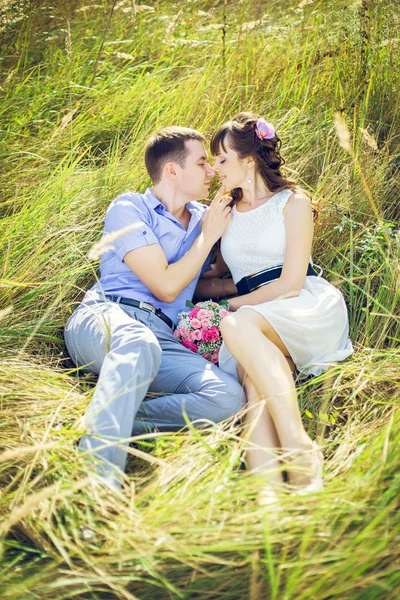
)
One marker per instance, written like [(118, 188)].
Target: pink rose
[(177, 333), (210, 314), (214, 304), (214, 359), (191, 346), (205, 323), (211, 335), (195, 323), (196, 335), (190, 337), (202, 314), (207, 356), (224, 313), (194, 311), (184, 333)]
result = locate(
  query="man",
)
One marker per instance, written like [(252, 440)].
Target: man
[(123, 330)]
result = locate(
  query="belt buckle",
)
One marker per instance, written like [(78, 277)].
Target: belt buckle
[(147, 306)]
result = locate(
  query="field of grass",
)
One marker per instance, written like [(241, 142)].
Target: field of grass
[(82, 86)]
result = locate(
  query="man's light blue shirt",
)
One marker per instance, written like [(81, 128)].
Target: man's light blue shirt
[(155, 226)]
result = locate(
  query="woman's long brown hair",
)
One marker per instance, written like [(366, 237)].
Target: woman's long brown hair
[(240, 134)]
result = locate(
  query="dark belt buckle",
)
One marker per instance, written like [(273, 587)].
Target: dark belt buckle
[(147, 306)]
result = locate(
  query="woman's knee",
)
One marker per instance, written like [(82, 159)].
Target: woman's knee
[(242, 326), (236, 324), (233, 321)]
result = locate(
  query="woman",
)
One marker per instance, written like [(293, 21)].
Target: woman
[(286, 315)]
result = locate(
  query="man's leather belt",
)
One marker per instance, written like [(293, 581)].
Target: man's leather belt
[(257, 280), (143, 306)]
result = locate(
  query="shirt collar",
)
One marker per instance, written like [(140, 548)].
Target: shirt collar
[(155, 203), (192, 208), (152, 200)]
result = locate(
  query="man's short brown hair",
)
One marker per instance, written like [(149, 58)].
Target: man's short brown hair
[(168, 144)]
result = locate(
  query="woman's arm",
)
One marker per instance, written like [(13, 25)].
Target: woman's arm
[(218, 268), (211, 285), (299, 236), (214, 287)]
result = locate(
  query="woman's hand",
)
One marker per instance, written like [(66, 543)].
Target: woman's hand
[(217, 217), (232, 304)]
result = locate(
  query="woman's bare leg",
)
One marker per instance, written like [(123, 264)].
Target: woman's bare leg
[(262, 452), (264, 361)]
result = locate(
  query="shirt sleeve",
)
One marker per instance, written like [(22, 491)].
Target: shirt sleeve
[(121, 215)]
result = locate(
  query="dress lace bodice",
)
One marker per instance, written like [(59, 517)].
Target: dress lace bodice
[(256, 240)]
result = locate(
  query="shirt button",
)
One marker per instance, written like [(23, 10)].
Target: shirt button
[(144, 232)]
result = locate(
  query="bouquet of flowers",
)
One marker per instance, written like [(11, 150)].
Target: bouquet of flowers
[(198, 329)]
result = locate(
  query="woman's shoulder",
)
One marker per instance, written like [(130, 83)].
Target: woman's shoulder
[(297, 201)]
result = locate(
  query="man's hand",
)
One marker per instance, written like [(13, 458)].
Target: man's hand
[(166, 281)]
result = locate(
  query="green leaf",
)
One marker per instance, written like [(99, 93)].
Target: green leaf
[(189, 304)]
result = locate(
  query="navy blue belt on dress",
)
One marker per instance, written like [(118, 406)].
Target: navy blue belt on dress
[(143, 306), (253, 282)]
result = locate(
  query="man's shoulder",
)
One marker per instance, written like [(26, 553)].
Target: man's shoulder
[(131, 201), (128, 198)]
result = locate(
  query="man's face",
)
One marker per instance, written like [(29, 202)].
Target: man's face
[(194, 177)]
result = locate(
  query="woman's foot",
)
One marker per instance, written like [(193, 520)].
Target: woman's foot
[(267, 497), (304, 468), (271, 494)]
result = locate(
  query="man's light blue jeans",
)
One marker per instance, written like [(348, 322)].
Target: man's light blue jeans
[(134, 352)]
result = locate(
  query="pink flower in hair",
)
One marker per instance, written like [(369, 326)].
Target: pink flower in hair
[(264, 130)]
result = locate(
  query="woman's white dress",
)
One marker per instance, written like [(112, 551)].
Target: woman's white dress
[(313, 325)]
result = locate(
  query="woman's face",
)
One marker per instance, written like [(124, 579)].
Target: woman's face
[(231, 169)]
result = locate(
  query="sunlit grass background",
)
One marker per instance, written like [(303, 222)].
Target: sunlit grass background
[(83, 84)]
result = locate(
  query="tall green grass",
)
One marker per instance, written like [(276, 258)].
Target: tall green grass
[(82, 87)]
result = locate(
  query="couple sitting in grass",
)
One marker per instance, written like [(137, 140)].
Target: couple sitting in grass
[(283, 316)]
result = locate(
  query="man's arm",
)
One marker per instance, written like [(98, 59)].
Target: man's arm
[(166, 281)]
